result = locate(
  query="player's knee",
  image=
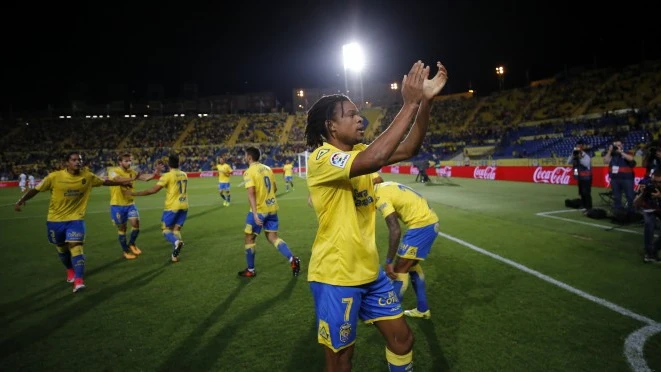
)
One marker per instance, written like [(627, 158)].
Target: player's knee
[(339, 361), (402, 342)]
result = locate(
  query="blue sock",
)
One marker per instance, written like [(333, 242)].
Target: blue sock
[(250, 255), (228, 198), (122, 241), (223, 196), (134, 236), (65, 257), (418, 283), (401, 284), (169, 236), (283, 248), (78, 266)]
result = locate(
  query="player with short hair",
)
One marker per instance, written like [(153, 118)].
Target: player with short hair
[(224, 173), (345, 277), (288, 170), (175, 183), (122, 207), (399, 202), (261, 187), (70, 189)]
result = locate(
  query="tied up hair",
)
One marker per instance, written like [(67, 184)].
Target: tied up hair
[(319, 114)]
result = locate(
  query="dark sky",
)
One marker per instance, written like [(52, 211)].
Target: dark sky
[(99, 51)]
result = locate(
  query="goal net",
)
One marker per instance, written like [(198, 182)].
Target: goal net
[(302, 163)]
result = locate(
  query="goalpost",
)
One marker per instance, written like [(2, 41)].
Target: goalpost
[(302, 163)]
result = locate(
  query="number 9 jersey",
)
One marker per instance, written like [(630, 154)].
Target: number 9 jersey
[(261, 178)]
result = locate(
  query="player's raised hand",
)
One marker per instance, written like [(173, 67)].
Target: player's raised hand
[(433, 86), (412, 83)]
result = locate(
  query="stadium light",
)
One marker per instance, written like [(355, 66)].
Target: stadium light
[(393, 86), (126, 116), (61, 117), (354, 58), (500, 71), (146, 115), (300, 93), (132, 116), (68, 116), (176, 115), (87, 116)]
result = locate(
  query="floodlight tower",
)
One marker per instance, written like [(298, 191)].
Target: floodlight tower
[(500, 71), (354, 60)]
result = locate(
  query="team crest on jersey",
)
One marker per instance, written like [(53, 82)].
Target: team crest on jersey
[(345, 332), (339, 159), (84, 181), (321, 153), (323, 330)]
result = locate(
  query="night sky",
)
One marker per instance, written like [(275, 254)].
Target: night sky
[(103, 51)]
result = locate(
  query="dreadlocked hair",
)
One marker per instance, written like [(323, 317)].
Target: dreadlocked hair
[(321, 112)]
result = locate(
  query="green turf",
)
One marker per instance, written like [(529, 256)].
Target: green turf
[(149, 314)]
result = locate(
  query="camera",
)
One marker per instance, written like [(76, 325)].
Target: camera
[(576, 153), (615, 151)]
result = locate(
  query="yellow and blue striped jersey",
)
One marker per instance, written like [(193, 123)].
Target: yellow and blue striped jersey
[(69, 194), (344, 251), (224, 172), (261, 178), (410, 206), (288, 169), (175, 183), (116, 195)]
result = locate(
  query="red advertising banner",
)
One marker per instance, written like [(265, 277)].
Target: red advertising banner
[(550, 175)]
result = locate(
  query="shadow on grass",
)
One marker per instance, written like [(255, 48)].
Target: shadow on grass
[(64, 317), (309, 353), (188, 357), (23, 306)]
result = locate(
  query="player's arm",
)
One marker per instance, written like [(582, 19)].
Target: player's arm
[(124, 182), (410, 146), (150, 176), (379, 152), (27, 196), (252, 200), (395, 233), (151, 191)]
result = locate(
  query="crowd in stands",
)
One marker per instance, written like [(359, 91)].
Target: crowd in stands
[(542, 120)]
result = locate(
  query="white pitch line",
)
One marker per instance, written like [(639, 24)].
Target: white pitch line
[(549, 215), (634, 345)]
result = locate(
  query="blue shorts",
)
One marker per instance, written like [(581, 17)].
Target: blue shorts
[(417, 243), (339, 308), (171, 218), (223, 186), (269, 223), (67, 231), (288, 178), (121, 213)]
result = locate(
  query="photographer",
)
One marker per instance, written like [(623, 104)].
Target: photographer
[(649, 200), (582, 170), (652, 160), (620, 169)]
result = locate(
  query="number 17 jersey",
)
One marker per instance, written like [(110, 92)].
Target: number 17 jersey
[(175, 183)]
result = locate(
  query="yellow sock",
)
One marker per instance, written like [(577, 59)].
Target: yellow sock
[(399, 363)]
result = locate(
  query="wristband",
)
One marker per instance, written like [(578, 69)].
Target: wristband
[(388, 261)]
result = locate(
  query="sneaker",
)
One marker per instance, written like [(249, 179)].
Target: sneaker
[(136, 251), (130, 256), (296, 266), (414, 313), (174, 259), (78, 285), (70, 275), (247, 273), (651, 259), (177, 248)]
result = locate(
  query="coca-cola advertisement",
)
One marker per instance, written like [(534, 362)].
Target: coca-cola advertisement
[(539, 174), (557, 175), (484, 173), (444, 171)]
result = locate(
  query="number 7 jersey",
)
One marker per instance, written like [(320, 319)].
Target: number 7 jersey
[(261, 178), (175, 183)]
